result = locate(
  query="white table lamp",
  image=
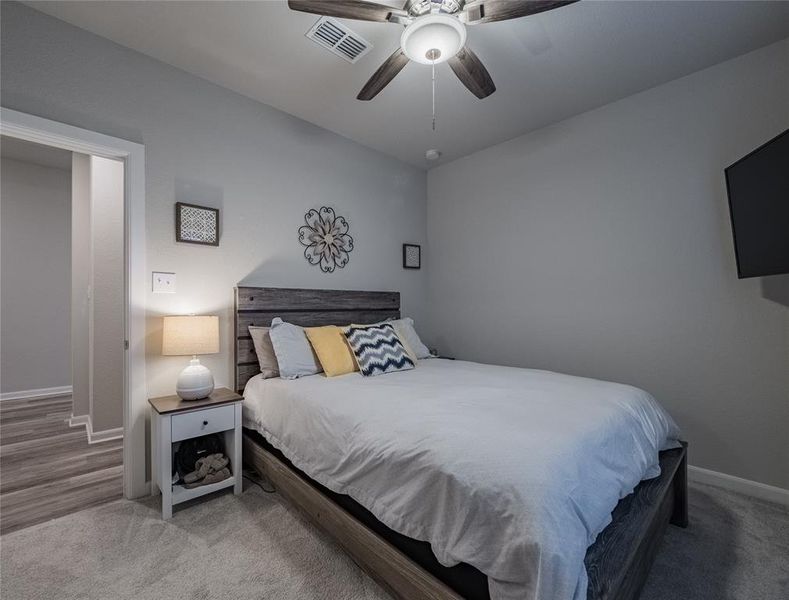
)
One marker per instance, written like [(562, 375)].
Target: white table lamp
[(192, 335)]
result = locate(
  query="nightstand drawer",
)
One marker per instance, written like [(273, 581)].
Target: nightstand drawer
[(203, 422)]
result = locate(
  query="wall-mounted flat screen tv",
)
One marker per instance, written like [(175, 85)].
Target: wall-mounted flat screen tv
[(758, 187)]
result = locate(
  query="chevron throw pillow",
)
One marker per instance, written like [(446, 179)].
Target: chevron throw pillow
[(377, 349)]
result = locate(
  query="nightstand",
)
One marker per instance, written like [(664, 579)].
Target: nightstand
[(174, 420)]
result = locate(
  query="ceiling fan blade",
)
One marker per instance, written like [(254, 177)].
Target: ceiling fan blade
[(385, 73), (488, 11), (346, 9), (472, 73)]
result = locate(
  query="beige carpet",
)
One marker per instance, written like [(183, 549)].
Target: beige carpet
[(226, 547), (253, 546)]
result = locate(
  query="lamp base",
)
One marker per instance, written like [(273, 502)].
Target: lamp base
[(195, 381)]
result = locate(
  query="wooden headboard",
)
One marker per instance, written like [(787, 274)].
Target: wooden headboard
[(308, 308)]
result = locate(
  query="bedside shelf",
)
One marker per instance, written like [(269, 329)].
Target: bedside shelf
[(174, 420), (182, 494)]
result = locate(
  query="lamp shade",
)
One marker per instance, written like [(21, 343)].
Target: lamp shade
[(185, 335)]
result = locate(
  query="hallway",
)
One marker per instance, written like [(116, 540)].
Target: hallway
[(48, 469)]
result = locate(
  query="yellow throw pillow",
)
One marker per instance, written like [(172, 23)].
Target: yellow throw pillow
[(332, 349)]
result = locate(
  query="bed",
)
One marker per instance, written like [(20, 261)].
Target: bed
[(438, 494)]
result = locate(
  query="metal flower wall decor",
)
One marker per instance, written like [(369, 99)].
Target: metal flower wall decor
[(326, 238)]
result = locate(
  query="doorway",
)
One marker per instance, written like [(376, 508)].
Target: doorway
[(30, 128), (62, 375)]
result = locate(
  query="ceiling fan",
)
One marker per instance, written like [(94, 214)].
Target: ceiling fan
[(435, 32)]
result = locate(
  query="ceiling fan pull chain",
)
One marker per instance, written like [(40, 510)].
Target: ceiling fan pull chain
[(434, 95)]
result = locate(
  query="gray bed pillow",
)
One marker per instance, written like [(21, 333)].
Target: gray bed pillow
[(261, 338), (293, 350)]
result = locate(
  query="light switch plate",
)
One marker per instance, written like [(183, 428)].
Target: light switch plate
[(163, 283)]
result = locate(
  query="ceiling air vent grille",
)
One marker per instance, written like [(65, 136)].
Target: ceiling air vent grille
[(338, 39)]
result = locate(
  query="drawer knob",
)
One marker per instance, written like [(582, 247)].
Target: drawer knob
[(205, 423)]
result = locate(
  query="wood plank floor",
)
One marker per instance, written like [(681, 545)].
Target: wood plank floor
[(48, 469)]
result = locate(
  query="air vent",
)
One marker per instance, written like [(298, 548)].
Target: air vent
[(338, 39)]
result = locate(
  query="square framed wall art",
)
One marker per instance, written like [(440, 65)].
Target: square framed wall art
[(196, 224), (412, 256)]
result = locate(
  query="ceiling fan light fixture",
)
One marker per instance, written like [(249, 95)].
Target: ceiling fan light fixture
[(433, 38)]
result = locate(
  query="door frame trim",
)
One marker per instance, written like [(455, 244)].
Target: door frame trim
[(52, 133)]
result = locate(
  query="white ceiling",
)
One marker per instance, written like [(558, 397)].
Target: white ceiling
[(31, 152), (546, 67)]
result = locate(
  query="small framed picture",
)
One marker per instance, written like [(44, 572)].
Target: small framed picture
[(412, 256), (196, 224)]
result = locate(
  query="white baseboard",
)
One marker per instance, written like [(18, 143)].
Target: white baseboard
[(38, 393), (78, 421), (95, 437), (738, 484)]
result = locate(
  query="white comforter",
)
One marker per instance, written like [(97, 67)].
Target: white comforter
[(514, 471)]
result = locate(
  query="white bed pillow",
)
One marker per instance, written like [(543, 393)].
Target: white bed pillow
[(295, 355), (267, 359), (405, 330)]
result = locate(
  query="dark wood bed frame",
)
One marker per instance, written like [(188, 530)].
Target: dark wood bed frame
[(617, 563)]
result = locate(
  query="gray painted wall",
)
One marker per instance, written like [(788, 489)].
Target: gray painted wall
[(205, 145), (97, 287), (82, 268), (601, 246), (35, 276), (107, 325)]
